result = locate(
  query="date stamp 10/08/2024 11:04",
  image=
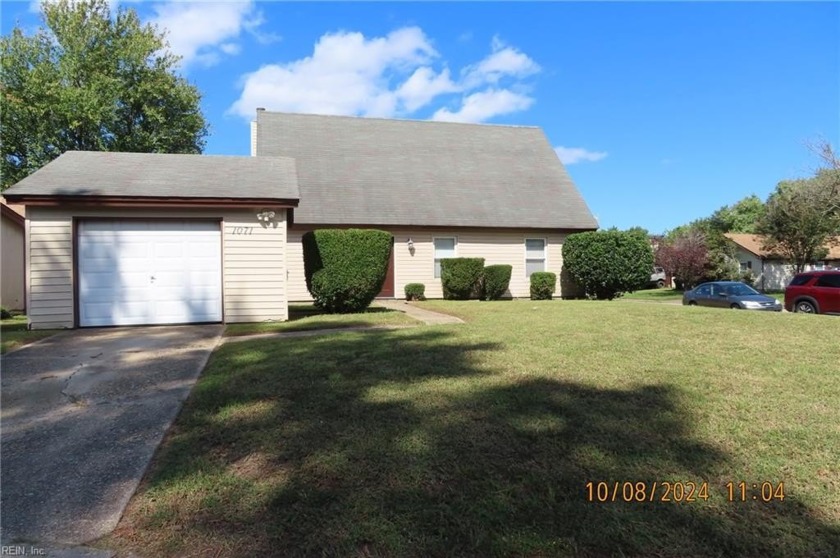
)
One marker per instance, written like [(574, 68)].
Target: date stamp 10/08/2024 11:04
[(604, 492)]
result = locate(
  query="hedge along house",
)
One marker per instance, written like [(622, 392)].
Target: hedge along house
[(131, 239), (441, 189)]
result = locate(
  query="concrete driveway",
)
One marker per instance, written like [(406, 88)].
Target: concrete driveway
[(82, 414)]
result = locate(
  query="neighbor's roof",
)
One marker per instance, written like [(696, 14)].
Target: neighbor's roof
[(404, 172), (753, 243), (158, 175)]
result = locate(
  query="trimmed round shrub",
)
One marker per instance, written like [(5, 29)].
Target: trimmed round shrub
[(345, 268), (543, 284), (461, 277), (415, 291), (607, 264), (4, 314), (496, 281)]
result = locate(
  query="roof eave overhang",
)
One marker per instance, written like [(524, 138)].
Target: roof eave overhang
[(438, 226), (13, 215), (147, 201)]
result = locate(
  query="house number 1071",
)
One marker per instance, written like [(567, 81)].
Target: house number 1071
[(243, 230)]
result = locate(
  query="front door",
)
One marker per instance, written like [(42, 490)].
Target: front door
[(388, 286)]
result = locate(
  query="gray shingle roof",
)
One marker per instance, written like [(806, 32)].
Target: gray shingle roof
[(404, 172), (96, 173)]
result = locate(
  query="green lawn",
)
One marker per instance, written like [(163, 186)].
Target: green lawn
[(655, 295), (13, 334), (304, 317), (479, 439)]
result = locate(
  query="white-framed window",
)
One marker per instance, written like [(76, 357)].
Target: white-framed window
[(819, 266), (445, 247), (534, 255), (746, 266)]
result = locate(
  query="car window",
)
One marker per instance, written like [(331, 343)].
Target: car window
[(705, 290), (740, 290), (828, 281), (800, 280)]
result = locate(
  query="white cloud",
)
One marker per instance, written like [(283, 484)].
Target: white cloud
[(484, 105), (347, 74), (423, 86), (572, 155), (231, 49), (504, 62), (394, 75), (203, 32)]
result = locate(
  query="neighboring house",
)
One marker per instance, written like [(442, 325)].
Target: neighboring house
[(442, 189), (130, 239), (770, 271), (13, 264)]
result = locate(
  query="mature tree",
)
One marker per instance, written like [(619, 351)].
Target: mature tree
[(89, 81), (803, 216), (608, 263), (740, 217), (685, 256)]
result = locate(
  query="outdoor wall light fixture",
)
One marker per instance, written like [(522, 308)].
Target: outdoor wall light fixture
[(265, 215), (410, 244)]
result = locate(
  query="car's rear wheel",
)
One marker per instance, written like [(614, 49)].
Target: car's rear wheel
[(735, 307), (805, 306), (660, 284)]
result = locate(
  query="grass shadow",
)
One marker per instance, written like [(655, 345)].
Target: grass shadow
[(409, 444)]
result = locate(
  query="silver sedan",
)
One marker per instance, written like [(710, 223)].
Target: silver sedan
[(730, 294)]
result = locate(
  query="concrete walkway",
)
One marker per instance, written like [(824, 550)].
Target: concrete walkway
[(82, 414), (426, 316), (309, 333)]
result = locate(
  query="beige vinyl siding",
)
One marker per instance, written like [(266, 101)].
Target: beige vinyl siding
[(49, 268), (496, 247), (253, 266), (297, 280), (12, 236)]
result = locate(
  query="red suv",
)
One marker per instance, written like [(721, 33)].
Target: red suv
[(814, 292)]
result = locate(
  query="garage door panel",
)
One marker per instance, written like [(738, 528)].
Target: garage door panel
[(108, 313), (200, 310), (188, 296), (96, 279), (149, 272), (117, 296), (171, 249), (107, 252)]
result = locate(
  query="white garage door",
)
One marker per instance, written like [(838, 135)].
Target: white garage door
[(149, 272)]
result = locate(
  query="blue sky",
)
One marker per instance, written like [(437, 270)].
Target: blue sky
[(663, 112)]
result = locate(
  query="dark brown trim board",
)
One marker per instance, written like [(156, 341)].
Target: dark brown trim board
[(114, 201), (299, 227), (13, 215)]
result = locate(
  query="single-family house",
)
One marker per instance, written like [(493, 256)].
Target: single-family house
[(772, 272), (441, 189), (130, 239), (12, 260)]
